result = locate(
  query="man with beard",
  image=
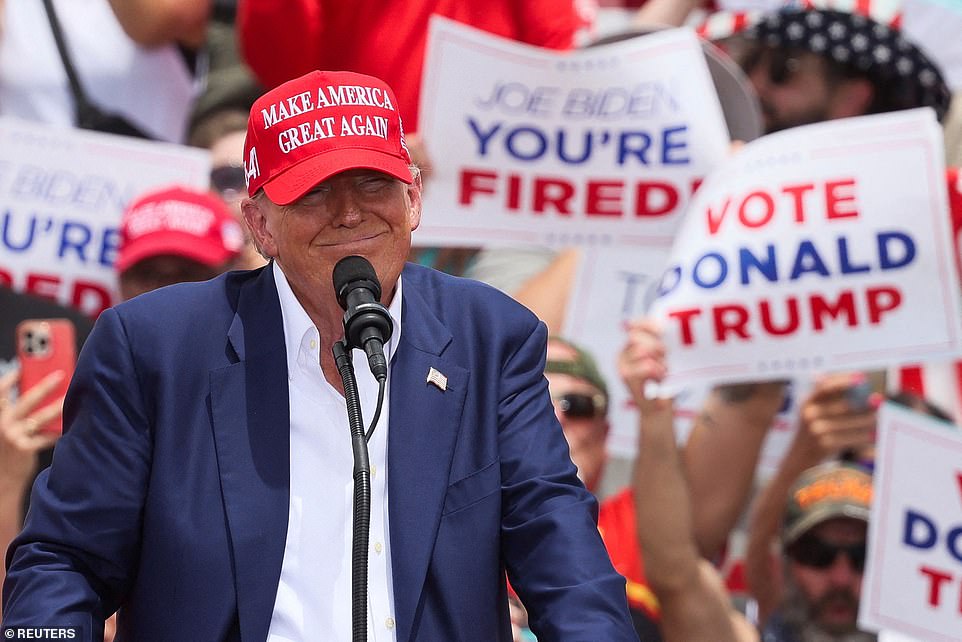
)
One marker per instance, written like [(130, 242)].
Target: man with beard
[(811, 65), (823, 541)]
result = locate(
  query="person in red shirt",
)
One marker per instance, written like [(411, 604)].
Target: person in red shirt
[(283, 40)]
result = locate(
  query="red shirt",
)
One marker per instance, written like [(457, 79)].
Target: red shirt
[(616, 521), (284, 40)]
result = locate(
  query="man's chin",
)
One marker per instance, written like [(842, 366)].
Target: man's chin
[(837, 617)]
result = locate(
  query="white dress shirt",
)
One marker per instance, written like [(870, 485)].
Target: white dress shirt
[(314, 594)]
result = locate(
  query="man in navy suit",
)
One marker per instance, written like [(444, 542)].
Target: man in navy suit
[(204, 484)]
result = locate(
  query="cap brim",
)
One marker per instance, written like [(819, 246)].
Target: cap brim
[(295, 182), (823, 514), (171, 245)]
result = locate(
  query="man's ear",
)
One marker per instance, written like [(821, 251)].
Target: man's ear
[(256, 219), (414, 197), (851, 97)]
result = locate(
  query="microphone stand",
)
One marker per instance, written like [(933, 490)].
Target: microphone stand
[(362, 493)]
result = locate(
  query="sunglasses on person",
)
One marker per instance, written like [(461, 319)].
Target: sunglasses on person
[(228, 180), (580, 405), (815, 553)]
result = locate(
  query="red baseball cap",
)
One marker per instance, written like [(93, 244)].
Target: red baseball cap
[(181, 222), (318, 125)]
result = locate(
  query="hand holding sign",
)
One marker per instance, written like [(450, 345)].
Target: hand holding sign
[(642, 361)]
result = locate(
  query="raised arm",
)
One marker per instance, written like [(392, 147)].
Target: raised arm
[(828, 425), (693, 601), (721, 455), (74, 559), (20, 441)]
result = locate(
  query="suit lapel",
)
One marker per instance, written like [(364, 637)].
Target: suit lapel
[(251, 419), (424, 424)]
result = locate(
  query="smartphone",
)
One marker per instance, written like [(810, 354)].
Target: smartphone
[(45, 346)]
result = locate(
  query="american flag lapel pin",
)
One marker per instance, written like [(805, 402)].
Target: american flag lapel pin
[(437, 379)]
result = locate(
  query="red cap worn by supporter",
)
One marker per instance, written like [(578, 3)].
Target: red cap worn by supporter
[(181, 222), (318, 125)]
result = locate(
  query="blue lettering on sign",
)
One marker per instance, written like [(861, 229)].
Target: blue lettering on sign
[(886, 251), (528, 142), (74, 236), (482, 137), (26, 235), (807, 260), (61, 188), (895, 250), (767, 267), (72, 239), (913, 536), (109, 246), (671, 140), (536, 142), (846, 266), (669, 281), (721, 271), (634, 284)]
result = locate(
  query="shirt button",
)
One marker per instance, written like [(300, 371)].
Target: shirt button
[(389, 623), (313, 344), (373, 471), (377, 547)]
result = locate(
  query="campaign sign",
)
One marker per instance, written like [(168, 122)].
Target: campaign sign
[(824, 247), (613, 286), (601, 146), (62, 192), (913, 573)]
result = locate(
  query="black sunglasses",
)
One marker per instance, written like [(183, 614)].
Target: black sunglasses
[(782, 66), (782, 63), (815, 553), (228, 178), (580, 405)]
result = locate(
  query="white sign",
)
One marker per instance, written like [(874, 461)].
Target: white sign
[(613, 286), (602, 146), (913, 574), (62, 192), (825, 247)]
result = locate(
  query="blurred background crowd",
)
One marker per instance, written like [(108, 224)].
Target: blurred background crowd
[(710, 550)]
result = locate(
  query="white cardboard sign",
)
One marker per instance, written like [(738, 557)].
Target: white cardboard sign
[(62, 192), (825, 247), (913, 576), (596, 147)]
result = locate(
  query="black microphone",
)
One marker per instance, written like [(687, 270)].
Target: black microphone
[(367, 323)]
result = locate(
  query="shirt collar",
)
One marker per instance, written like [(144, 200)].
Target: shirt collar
[(297, 323)]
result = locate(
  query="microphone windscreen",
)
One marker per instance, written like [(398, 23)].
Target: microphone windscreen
[(355, 269)]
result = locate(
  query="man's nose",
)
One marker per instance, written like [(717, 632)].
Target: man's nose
[(347, 209)]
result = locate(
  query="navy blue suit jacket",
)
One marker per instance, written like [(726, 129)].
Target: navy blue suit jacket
[(168, 495)]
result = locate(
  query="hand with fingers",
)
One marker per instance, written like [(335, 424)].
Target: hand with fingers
[(693, 603), (836, 418), (21, 427), (641, 361)]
